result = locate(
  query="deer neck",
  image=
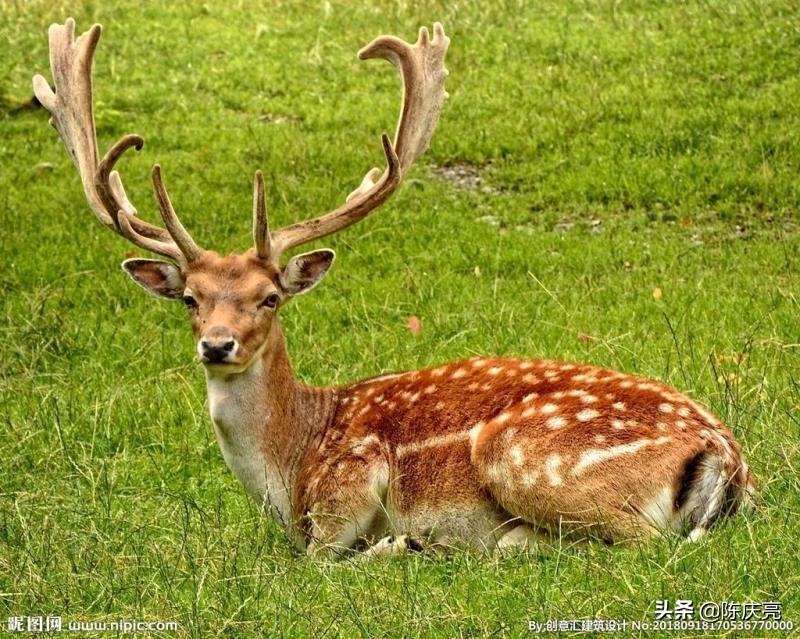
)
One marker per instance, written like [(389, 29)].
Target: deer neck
[(265, 419)]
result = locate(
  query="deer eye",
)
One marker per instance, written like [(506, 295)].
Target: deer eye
[(270, 301), (190, 302)]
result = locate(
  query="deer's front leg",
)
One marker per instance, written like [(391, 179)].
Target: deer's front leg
[(393, 545), (347, 500)]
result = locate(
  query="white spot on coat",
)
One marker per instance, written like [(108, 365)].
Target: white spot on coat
[(495, 472), (706, 415), (475, 431), (434, 442), (551, 466), (529, 479), (595, 456), (383, 378)]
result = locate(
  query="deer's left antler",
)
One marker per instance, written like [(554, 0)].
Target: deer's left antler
[(421, 67)]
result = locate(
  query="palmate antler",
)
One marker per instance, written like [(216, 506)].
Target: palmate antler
[(71, 113), (422, 70)]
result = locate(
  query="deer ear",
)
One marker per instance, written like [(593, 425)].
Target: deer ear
[(159, 278), (303, 272)]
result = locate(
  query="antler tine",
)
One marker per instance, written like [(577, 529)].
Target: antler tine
[(72, 115), (421, 68), (112, 193), (181, 236), (261, 236), (167, 249)]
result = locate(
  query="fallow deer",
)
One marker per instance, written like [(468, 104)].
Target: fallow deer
[(483, 452)]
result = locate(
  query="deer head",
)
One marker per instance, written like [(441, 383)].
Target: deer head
[(232, 300)]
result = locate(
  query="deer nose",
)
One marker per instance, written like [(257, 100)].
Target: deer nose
[(215, 349)]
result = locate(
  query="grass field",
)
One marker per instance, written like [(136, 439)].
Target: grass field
[(614, 183)]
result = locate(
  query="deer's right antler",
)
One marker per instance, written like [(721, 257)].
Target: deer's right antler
[(72, 115), (422, 70)]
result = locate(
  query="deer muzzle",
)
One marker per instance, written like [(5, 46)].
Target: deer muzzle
[(217, 346)]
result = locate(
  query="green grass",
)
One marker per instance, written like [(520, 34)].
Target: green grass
[(623, 147)]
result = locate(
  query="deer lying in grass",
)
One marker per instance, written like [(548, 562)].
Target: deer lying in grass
[(483, 452)]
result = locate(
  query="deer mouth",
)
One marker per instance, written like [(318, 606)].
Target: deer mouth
[(228, 367), (225, 369)]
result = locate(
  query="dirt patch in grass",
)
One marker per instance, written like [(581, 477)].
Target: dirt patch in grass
[(463, 175)]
